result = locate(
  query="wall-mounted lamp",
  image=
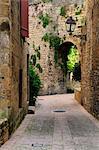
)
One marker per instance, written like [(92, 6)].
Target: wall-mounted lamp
[(70, 25)]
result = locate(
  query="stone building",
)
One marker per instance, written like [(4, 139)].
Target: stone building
[(53, 79), (90, 59), (14, 58), (14, 55)]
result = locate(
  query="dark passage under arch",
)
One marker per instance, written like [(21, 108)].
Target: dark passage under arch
[(74, 72)]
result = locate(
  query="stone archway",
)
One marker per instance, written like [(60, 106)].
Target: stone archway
[(65, 51), (77, 42)]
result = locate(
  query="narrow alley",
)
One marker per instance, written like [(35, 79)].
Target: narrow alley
[(59, 123)]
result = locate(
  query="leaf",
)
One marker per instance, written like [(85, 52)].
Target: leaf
[(38, 55), (39, 67), (33, 57)]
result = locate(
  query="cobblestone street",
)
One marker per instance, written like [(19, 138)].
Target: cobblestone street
[(70, 129)]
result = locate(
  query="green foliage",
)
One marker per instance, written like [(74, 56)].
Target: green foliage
[(34, 64), (33, 46), (45, 20), (69, 58), (34, 80), (35, 85), (46, 1), (54, 42), (39, 67), (63, 11), (45, 38), (38, 55), (33, 60), (3, 114), (73, 57), (78, 11)]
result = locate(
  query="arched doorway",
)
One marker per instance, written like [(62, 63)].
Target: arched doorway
[(69, 60)]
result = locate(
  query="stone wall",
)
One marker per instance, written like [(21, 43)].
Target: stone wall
[(4, 135), (13, 65), (86, 64), (95, 58), (5, 84), (53, 80), (60, 3), (90, 74)]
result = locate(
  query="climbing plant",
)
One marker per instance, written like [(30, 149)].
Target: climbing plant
[(68, 58), (46, 37), (63, 11), (39, 67), (33, 60), (54, 42), (78, 11), (35, 57), (45, 19), (38, 55), (34, 85), (34, 79)]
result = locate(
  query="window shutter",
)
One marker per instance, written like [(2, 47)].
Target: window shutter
[(24, 18)]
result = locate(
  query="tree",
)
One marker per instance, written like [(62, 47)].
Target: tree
[(73, 57)]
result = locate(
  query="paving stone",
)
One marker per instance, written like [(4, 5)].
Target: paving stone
[(74, 129)]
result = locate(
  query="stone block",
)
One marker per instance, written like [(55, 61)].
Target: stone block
[(77, 95)]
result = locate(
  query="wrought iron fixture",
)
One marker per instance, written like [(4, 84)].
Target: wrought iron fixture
[(70, 25)]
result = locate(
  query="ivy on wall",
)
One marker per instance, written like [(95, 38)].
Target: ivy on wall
[(34, 79), (68, 59), (45, 19), (78, 11), (63, 11), (54, 42), (34, 85), (35, 57), (33, 60)]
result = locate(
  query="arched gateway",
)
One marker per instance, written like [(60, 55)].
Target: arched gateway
[(69, 59)]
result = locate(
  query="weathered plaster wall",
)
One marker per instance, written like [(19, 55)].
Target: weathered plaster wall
[(52, 77)]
